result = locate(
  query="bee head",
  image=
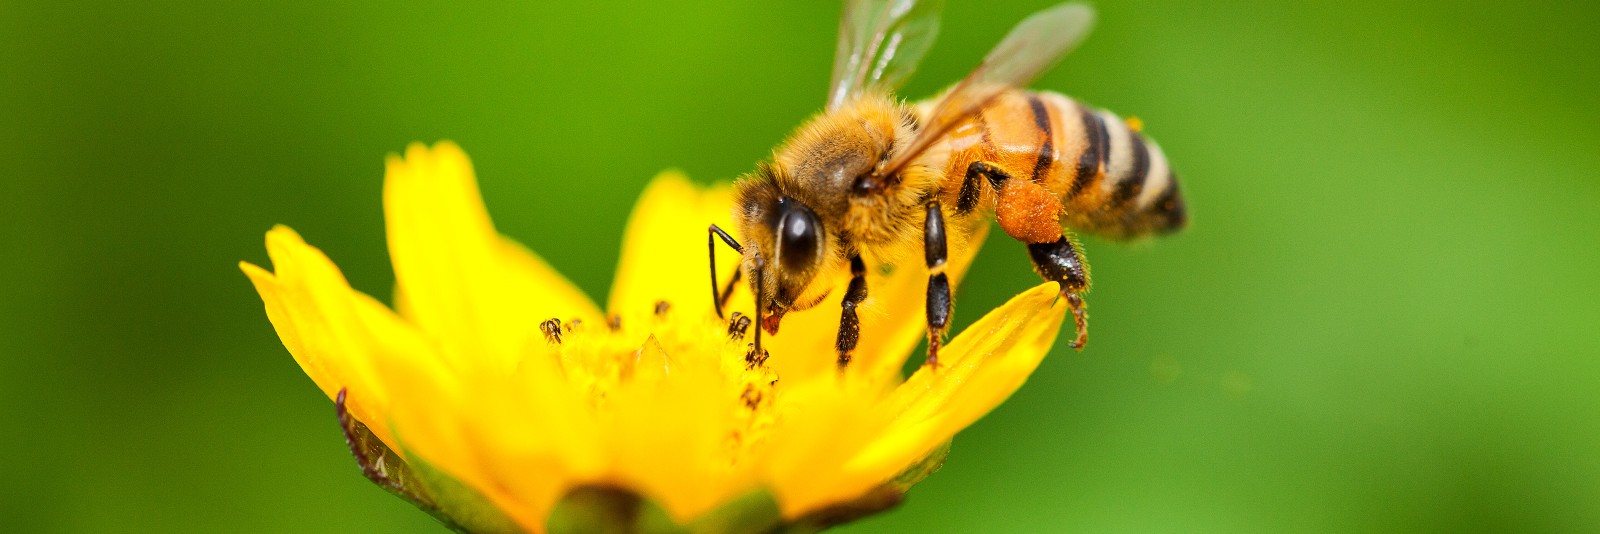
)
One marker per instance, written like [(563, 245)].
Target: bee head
[(787, 247)]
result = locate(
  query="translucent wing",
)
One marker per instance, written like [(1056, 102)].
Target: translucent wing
[(880, 44), (1031, 48)]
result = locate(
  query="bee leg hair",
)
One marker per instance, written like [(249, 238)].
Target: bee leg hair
[(971, 186), (849, 323), (1061, 261)]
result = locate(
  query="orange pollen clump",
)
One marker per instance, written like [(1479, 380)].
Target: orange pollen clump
[(1029, 212)]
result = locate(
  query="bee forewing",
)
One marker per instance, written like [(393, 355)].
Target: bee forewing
[(1031, 48), (880, 44), (1035, 45)]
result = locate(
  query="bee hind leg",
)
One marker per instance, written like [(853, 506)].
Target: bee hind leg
[(939, 304), (1061, 261), (1030, 213)]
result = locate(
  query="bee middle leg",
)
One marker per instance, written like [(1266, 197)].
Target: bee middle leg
[(849, 323), (939, 304)]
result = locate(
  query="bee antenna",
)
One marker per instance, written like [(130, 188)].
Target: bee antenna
[(719, 297)]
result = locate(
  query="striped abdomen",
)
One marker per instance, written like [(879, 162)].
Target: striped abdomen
[(1111, 180)]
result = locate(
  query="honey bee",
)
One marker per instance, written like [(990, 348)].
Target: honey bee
[(871, 172)]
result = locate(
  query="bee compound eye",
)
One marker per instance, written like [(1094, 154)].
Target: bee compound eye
[(799, 238)]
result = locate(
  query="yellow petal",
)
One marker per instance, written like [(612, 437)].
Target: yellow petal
[(487, 434), (664, 256), (340, 338), (822, 425), (978, 370), (841, 439), (681, 463), (520, 439), (478, 294)]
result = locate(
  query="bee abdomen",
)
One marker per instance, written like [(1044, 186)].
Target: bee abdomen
[(1118, 183), (1111, 179)]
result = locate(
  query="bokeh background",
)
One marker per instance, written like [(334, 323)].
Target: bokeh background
[(1384, 318)]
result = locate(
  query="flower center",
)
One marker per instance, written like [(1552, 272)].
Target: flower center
[(663, 358)]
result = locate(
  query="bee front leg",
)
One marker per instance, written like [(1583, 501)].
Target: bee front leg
[(1061, 261), (939, 305), (849, 323)]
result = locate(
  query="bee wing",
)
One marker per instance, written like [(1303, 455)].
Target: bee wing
[(1032, 47), (880, 44)]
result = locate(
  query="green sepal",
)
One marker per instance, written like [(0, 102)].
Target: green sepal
[(446, 499), (609, 510), (928, 465), (605, 510), (756, 511), (378, 462), (460, 507)]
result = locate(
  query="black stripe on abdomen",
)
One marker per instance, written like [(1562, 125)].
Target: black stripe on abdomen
[(1096, 145), (1129, 185), (1041, 119), (1168, 209)]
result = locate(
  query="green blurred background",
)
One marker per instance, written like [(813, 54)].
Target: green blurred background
[(1383, 318)]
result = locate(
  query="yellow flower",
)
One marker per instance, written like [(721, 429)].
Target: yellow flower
[(465, 405)]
